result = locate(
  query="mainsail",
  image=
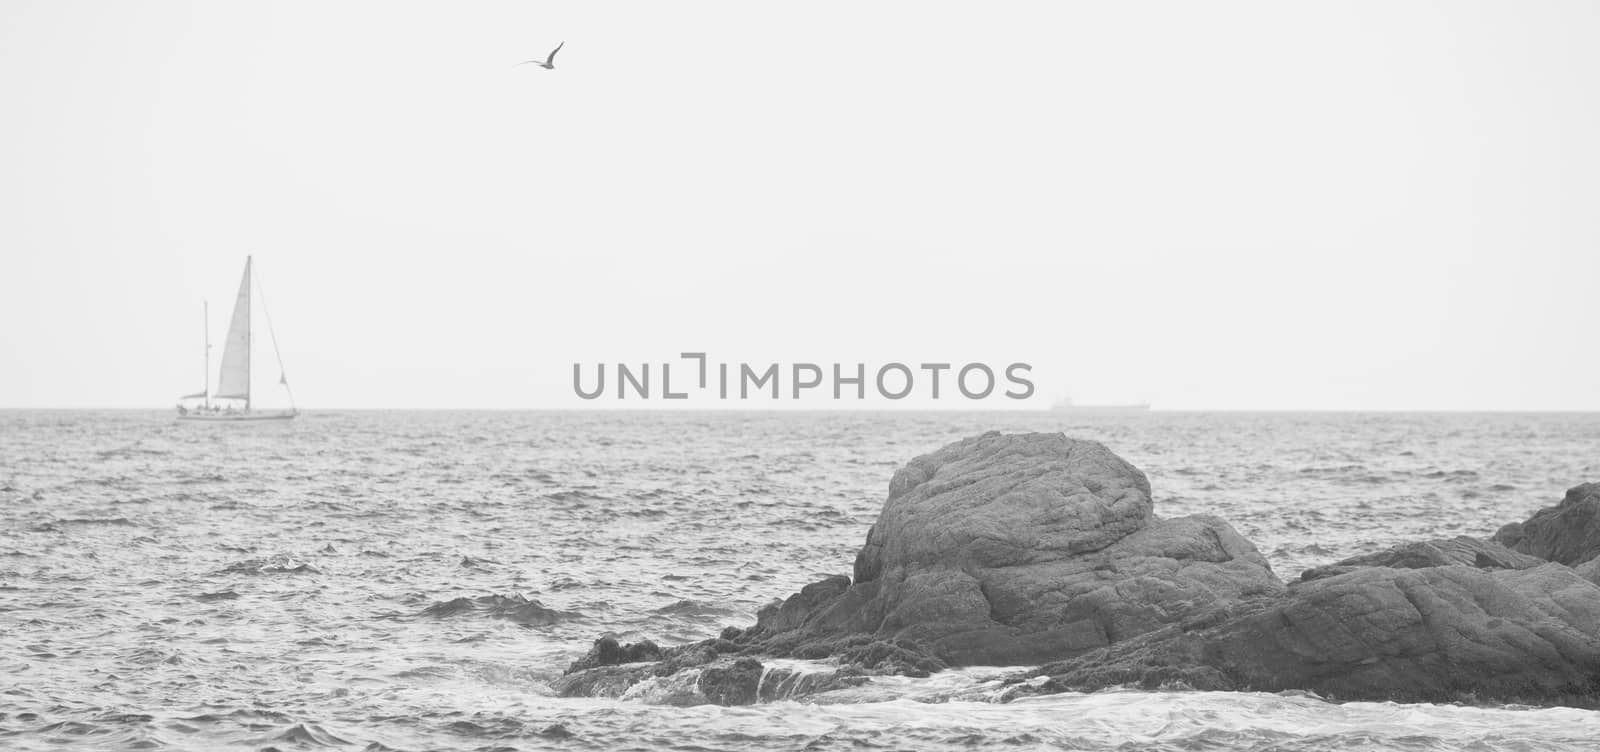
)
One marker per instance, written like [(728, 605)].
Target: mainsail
[(235, 380)]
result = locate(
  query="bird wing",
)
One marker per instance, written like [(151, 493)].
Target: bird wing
[(551, 60)]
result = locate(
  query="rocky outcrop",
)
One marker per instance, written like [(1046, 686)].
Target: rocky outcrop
[(996, 550), (1015, 550), (1424, 634), (1437, 634), (1444, 620), (1567, 533), (1038, 549)]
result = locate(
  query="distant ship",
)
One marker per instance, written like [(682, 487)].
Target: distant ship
[(232, 399), (1065, 405)]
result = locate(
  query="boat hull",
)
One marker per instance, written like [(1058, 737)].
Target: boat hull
[(238, 417)]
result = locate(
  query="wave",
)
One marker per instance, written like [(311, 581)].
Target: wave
[(57, 525), (695, 608), (306, 733), (276, 564)]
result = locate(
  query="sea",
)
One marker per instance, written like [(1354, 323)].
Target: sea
[(415, 580)]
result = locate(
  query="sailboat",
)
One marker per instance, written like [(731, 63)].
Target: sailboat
[(231, 402)]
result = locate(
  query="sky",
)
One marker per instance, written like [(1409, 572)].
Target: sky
[(1224, 205)]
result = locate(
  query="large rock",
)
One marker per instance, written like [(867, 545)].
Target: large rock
[(1036, 548), (997, 501), (1021, 549), (1438, 634), (1568, 533)]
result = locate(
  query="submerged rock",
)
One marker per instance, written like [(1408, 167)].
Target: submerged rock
[(517, 608), (556, 731)]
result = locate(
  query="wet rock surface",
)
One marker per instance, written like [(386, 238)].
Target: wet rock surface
[(1463, 550), (1567, 533)]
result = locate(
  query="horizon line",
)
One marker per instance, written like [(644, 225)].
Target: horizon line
[(885, 409)]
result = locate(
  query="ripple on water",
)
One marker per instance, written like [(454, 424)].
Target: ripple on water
[(356, 580)]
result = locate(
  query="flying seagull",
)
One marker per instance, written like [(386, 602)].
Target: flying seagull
[(549, 63)]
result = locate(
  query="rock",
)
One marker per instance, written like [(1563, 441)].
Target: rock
[(611, 669), (606, 651), (1589, 570), (1433, 634), (692, 655), (786, 615), (902, 658), (1567, 533), (601, 681), (516, 608), (786, 684), (738, 684), (720, 681), (1463, 549), (1437, 634), (995, 501), (1020, 549), (1039, 549)]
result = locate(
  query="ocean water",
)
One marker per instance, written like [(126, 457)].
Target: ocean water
[(206, 587)]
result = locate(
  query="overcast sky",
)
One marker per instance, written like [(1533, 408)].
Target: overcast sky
[(1224, 205)]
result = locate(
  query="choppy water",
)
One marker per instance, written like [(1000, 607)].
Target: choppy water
[(181, 586)]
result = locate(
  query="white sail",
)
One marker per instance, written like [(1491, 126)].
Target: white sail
[(234, 382)]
